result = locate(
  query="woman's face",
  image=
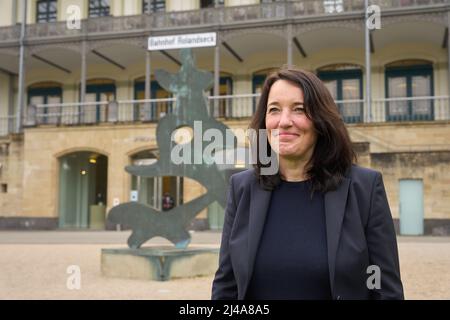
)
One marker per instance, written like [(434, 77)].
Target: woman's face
[(290, 131)]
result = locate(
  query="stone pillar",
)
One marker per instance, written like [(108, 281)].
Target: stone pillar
[(368, 92), (21, 85), (289, 44), (83, 72), (448, 51), (216, 75)]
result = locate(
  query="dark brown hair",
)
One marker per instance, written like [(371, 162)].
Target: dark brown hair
[(333, 153)]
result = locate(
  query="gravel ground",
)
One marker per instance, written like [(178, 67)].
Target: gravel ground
[(38, 271)]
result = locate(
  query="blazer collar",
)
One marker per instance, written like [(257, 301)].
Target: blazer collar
[(334, 203), (259, 204)]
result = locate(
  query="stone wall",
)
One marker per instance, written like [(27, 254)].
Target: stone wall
[(398, 150)]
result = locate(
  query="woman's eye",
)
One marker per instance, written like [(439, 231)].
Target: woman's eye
[(273, 109), (299, 110)]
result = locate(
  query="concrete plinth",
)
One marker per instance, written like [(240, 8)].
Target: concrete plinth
[(161, 263)]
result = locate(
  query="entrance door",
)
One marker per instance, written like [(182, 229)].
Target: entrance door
[(82, 189), (151, 190), (411, 207)]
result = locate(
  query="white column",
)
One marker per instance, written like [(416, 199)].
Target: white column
[(289, 44), (21, 93), (147, 75), (368, 66), (216, 75), (83, 72)]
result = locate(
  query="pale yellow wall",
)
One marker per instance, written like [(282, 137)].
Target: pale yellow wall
[(385, 137), (181, 5), (132, 7), (12, 175), (122, 91), (70, 93), (29, 11), (242, 84), (4, 95), (6, 12), (240, 2), (116, 8)]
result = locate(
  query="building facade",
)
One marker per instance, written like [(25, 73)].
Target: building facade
[(78, 99)]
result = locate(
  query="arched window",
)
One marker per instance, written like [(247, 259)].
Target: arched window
[(152, 111), (40, 95), (224, 107), (258, 79), (100, 91), (344, 81), (409, 79)]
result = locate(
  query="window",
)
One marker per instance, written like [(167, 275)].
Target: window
[(46, 11), (409, 80), (98, 8), (101, 91), (151, 190), (224, 106), (154, 110), (332, 6), (345, 83), (155, 5), (211, 3), (44, 93)]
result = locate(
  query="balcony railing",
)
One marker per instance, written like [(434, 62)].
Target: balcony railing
[(87, 113), (411, 109), (209, 16), (231, 107)]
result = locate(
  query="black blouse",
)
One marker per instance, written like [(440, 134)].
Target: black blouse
[(291, 262)]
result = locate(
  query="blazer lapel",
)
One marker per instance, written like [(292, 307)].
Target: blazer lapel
[(335, 202), (259, 204)]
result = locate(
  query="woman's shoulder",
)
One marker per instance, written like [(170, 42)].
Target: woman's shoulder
[(244, 177), (358, 173)]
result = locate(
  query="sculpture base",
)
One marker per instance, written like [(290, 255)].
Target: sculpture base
[(159, 263)]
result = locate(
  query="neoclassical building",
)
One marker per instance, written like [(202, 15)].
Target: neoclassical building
[(79, 100)]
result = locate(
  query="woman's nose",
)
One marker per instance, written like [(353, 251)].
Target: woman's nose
[(285, 119)]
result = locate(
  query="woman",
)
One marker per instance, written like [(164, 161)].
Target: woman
[(320, 228)]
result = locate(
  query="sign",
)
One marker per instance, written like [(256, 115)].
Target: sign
[(194, 40), (134, 195)]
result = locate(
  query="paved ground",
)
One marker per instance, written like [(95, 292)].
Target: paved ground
[(33, 266)]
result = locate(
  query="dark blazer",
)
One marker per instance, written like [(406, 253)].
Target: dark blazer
[(359, 227)]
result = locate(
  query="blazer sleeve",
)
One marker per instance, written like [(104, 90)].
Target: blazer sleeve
[(224, 286), (382, 244)]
